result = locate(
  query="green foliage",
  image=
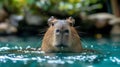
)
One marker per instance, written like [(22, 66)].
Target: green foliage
[(60, 6), (69, 6), (30, 2), (1, 3)]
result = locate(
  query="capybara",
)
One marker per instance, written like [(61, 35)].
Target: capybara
[(61, 36)]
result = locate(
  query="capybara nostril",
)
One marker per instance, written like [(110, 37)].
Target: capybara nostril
[(66, 31)]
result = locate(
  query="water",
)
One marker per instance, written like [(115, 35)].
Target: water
[(14, 53)]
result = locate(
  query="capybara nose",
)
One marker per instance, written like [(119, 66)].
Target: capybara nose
[(61, 45)]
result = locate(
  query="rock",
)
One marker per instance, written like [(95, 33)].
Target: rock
[(32, 19), (3, 27), (101, 16), (15, 19), (7, 28), (11, 29), (101, 19), (116, 26), (3, 15)]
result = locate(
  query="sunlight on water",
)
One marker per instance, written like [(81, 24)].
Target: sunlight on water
[(115, 60), (23, 52), (56, 58), (4, 48)]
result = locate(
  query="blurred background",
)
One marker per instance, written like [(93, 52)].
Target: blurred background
[(24, 22), (96, 18)]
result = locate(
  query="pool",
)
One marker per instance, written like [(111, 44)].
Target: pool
[(14, 53)]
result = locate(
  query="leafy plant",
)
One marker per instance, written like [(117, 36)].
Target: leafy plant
[(69, 7)]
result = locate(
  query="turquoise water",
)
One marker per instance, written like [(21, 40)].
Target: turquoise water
[(14, 53)]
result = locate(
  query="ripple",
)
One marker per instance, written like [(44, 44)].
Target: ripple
[(42, 57), (58, 61), (38, 57), (4, 48), (115, 60)]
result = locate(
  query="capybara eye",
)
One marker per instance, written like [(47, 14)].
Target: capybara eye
[(57, 31), (52, 24), (66, 31)]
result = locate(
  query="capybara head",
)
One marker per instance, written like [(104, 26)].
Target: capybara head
[(61, 36)]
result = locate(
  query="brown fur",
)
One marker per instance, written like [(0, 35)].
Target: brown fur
[(73, 39), (48, 38)]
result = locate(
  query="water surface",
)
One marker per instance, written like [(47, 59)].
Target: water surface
[(14, 53)]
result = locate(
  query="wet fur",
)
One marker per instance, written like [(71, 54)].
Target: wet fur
[(48, 39)]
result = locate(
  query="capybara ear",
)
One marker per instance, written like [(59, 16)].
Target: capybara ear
[(51, 21), (71, 21)]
